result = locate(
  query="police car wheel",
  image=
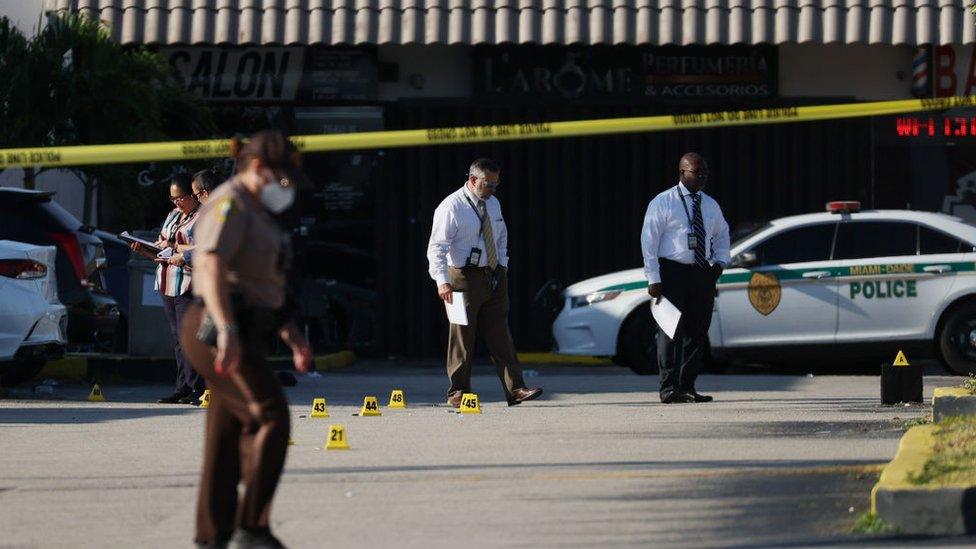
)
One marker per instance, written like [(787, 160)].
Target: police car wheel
[(957, 340), (637, 347)]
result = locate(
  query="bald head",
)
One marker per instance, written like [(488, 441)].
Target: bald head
[(693, 171)]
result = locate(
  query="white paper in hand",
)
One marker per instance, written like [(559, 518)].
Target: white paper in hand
[(666, 315), (456, 312)]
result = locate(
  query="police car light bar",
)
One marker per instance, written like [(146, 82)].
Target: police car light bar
[(843, 206)]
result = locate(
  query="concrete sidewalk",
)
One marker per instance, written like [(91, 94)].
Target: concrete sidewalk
[(776, 460)]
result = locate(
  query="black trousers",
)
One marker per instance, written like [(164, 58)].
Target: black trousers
[(692, 290), (187, 380)]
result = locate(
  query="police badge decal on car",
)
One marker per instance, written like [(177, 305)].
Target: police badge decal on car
[(764, 292)]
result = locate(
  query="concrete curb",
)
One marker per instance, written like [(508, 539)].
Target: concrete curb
[(952, 401), (914, 509), (553, 358), (124, 368)]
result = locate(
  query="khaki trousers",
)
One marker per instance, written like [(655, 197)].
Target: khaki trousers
[(247, 433), (488, 311)]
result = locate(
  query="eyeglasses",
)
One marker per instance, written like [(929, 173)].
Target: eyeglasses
[(178, 199), (698, 173), (491, 184), (199, 194)]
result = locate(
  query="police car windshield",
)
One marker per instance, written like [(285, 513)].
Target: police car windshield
[(747, 230)]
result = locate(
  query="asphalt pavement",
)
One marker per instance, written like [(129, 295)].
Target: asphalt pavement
[(776, 460)]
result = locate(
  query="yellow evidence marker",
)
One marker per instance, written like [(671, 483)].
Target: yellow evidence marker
[(96, 394), (371, 407), (900, 359), (318, 408), (397, 400), (205, 399), (469, 404), (337, 438)]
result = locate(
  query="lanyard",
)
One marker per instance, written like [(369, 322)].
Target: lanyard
[(691, 222), (481, 220), (178, 222)]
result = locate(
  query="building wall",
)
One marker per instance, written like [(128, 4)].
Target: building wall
[(865, 72), (427, 71), (869, 73), (70, 192)]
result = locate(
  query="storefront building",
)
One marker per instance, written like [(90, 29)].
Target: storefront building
[(573, 206)]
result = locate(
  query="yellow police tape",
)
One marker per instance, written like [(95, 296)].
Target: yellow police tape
[(214, 148)]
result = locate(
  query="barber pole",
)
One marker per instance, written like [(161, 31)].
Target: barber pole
[(920, 72)]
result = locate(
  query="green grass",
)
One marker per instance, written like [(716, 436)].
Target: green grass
[(954, 458), (920, 420), (970, 384), (869, 523)]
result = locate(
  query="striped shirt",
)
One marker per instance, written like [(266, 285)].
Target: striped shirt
[(171, 280)]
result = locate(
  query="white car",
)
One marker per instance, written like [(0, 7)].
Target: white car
[(841, 283), (33, 323)]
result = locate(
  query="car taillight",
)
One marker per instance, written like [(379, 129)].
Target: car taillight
[(70, 246), (23, 269)]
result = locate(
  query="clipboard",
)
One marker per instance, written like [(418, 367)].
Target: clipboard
[(148, 246)]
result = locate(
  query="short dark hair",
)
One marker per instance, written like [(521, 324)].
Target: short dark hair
[(207, 179), (182, 180), (275, 150), (482, 166)]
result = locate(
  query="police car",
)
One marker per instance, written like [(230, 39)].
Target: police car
[(844, 282)]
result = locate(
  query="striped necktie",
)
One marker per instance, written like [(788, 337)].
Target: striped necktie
[(486, 231), (698, 225)]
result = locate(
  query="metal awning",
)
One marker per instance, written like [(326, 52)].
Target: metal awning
[(636, 22)]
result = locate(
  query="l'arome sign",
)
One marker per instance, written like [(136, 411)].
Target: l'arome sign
[(935, 126)]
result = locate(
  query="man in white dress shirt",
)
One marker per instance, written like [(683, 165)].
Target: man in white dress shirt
[(468, 252), (685, 243)]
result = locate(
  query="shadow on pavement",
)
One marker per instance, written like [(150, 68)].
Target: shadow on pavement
[(69, 416)]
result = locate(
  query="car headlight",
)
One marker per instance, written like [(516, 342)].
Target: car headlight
[(595, 297)]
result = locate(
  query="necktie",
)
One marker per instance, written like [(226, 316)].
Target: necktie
[(489, 236), (698, 225)]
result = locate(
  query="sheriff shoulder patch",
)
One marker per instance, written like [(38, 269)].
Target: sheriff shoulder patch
[(226, 210)]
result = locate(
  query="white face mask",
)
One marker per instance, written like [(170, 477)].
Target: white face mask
[(277, 198)]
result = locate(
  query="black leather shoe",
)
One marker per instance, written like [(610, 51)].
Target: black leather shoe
[(255, 539), (521, 395), (700, 397), (192, 398), (677, 397), (454, 401), (173, 398)]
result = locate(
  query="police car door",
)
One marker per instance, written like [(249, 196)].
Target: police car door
[(787, 296), (890, 291)]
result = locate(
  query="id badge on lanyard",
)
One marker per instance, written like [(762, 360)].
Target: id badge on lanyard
[(692, 237), (474, 258)]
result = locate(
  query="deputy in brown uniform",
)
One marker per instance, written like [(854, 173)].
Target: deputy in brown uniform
[(239, 264)]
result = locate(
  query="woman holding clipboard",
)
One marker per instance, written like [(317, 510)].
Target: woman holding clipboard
[(173, 280)]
